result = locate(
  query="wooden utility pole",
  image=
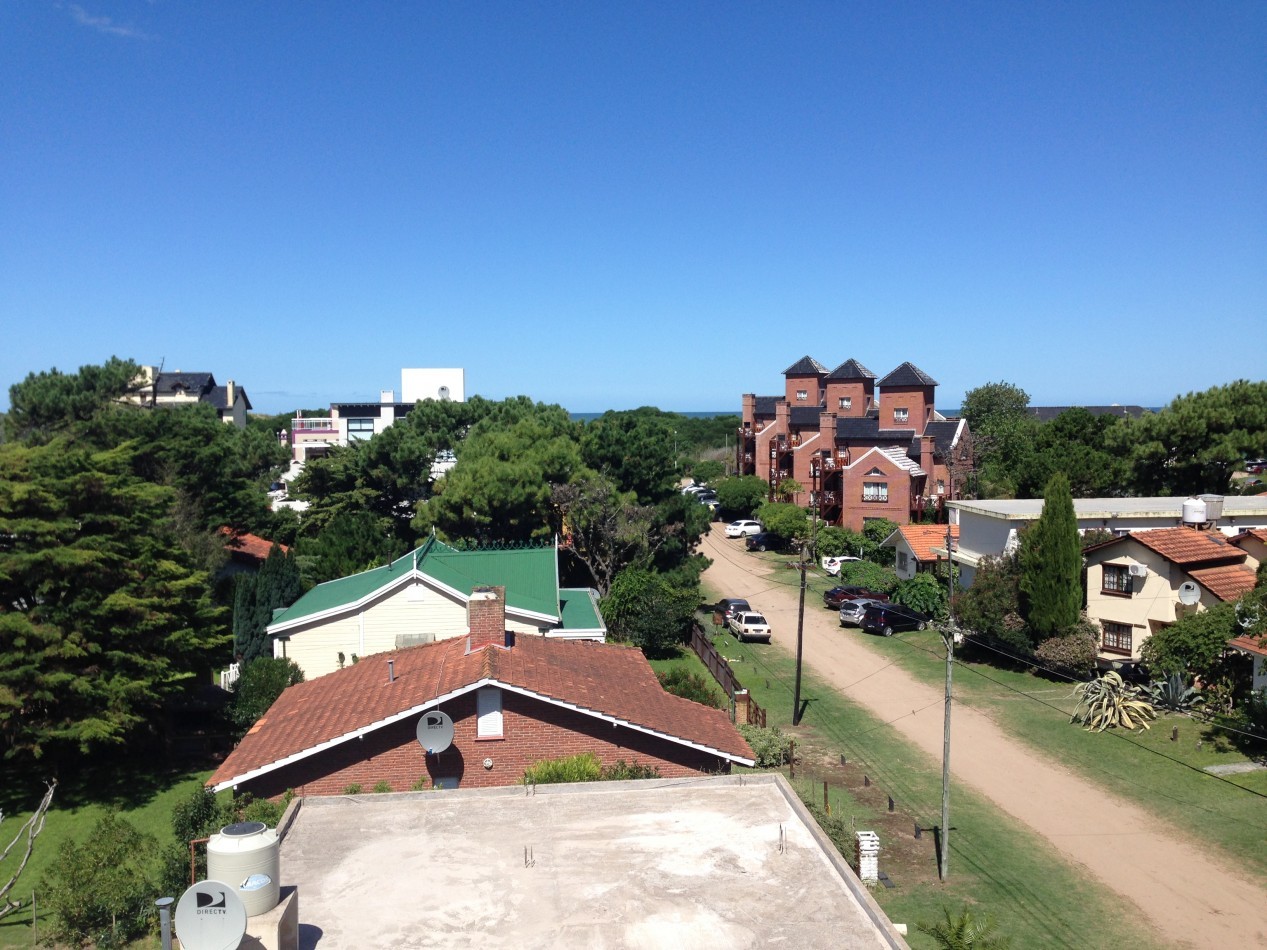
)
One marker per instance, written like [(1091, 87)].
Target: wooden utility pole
[(948, 635)]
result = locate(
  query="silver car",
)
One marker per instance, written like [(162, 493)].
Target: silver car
[(851, 611)]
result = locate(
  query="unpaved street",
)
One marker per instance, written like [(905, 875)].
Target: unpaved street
[(1185, 895)]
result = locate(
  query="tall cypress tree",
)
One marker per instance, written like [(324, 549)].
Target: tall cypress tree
[(255, 598), (1051, 564)]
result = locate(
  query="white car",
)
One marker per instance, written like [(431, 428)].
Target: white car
[(739, 529), (747, 625)]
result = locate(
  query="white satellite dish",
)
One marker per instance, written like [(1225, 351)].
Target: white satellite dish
[(210, 916), (1189, 593), (435, 731)]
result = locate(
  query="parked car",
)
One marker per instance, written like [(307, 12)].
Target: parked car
[(742, 528), (834, 597), (888, 619), (765, 541), (707, 498), (831, 565), (851, 611), (727, 606), (748, 625)]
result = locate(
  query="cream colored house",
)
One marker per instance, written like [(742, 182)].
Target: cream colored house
[(917, 547), (1146, 580), (422, 597), (185, 389)]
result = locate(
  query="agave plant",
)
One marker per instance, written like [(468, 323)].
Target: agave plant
[(1110, 702), (1172, 693), (965, 931)]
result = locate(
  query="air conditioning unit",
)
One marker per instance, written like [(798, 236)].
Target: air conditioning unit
[(1139, 570)]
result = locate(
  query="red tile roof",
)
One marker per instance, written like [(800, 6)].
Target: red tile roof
[(1186, 546), (1250, 644), (249, 545), (1258, 534), (1227, 582), (922, 538), (601, 679)]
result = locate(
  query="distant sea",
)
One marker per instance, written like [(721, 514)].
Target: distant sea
[(587, 416)]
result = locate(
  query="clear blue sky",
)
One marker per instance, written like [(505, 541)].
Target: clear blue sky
[(608, 205)]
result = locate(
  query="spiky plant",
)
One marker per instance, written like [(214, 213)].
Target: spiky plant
[(964, 931), (1174, 694), (1109, 703)]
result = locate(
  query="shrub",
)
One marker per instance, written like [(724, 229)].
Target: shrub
[(770, 747), (381, 786), (682, 682), (1108, 702), (99, 890), (1074, 651), (421, 784), (923, 593), (261, 809), (584, 767), (623, 771), (866, 574), (261, 682), (353, 789), (1174, 694)]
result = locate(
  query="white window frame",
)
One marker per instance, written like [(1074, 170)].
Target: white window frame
[(802, 395), (875, 491), (489, 721), (357, 430), (901, 415), (846, 402)]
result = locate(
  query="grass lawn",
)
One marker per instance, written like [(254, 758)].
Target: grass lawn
[(1150, 769), (996, 865), (143, 796)]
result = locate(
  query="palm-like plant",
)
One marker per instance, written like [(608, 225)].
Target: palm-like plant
[(1174, 694), (1110, 702), (965, 931)]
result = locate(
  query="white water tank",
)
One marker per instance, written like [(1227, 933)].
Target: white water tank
[(1194, 511), (247, 857)]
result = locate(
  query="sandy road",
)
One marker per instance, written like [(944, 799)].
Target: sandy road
[(1183, 894)]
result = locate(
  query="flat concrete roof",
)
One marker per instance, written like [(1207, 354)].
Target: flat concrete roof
[(719, 861), (1024, 509)]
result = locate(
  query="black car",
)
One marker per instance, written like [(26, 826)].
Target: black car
[(836, 596), (729, 606), (766, 541), (888, 619)]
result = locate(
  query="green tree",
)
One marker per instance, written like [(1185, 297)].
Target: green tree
[(742, 494), (1192, 645), (991, 606), (924, 593), (649, 609), (261, 682), (605, 529), (256, 596), (99, 890), (1002, 434), (102, 614), (875, 531), (635, 449), (784, 519), (49, 402), (994, 406), (1051, 564), (1197, 442), (707, 471), (1075, 443), (353, 541)]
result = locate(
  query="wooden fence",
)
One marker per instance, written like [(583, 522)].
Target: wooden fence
[(743, 709)]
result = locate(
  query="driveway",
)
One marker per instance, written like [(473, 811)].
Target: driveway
[(1157, 867)]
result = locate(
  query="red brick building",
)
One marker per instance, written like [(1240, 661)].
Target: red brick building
[(862, 447), (514, 699)]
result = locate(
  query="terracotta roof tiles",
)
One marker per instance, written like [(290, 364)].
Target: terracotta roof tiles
[(1186, 546), (1226, 582), (922, 538)]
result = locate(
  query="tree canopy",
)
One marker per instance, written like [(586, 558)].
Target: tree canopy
[(1051, 564)]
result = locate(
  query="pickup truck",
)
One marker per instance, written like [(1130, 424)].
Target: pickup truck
[(747, 625)]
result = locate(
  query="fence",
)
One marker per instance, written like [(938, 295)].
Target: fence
[(744, 709)]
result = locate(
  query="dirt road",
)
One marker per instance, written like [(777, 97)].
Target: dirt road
[(1182, 893)]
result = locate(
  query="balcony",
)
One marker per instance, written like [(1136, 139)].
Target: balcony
[(313, 425)]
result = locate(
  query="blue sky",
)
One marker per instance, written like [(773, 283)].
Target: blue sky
[(608, 205)]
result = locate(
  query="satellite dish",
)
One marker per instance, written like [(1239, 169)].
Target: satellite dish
[(210, 916), (435, 731), (1189, 593)]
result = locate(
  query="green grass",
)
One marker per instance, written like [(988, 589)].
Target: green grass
[(996, 863), (143, 796), (1147, 768)]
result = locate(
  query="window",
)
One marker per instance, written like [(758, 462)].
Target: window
[(941, 486), (1117, 579), (846, 402), (875, 491), (901, 560), (488, 706), (1117, 637), (802, 395), (901, 415), (359, 429)]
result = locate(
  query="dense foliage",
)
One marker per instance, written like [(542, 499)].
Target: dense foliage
[(262, 680), (1051, 564), (785, 519), (924, 593), (741, 495), (682, 682), (256, 596)]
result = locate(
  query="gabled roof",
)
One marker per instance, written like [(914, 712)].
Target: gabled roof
[(609, 682), (806, 366), (765, 405), (945, 434), (908, 374), (1249, 643), (248, 545), (851, 369), (530, 576), (1226, 582), (1184, 546), (893, 453), (169, 383), (922, 538), (218, 397), (1257, 534)]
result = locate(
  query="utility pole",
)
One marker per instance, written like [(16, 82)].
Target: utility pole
[(948, 635), (800, 616)]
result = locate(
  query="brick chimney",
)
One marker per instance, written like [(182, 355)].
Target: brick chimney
[(926, 444), (486, 617)]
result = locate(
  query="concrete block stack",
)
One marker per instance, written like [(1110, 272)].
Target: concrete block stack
[(867, 853)]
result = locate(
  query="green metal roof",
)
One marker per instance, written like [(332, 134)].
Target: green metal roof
[(579, 610), (528, 574)]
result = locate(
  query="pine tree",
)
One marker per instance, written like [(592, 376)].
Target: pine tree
[(1051, 564), (256, 597)]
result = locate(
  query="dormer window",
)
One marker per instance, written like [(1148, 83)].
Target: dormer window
[(901, 415), (846, 402), (801, 395)]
